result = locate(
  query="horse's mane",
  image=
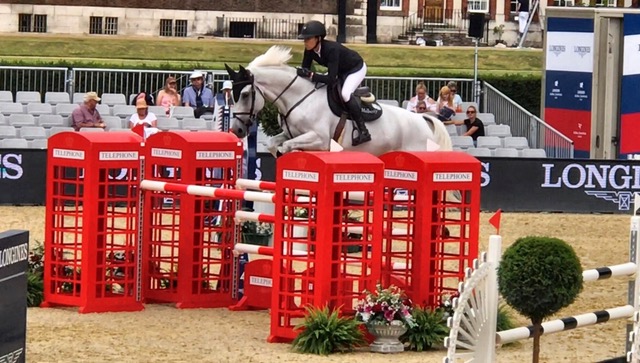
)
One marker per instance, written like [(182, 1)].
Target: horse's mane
[(276, 56)]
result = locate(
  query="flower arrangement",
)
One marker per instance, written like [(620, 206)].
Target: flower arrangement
[(388, 306), (446, 305), (300, 212), (261, 228)]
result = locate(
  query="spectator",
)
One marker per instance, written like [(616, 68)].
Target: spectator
[(523, 17), (148, 97), (444, 105), (169, 96), (457, 100), (421, 95), (143, 119), (197, 95), (475, 127), (421, 107), (86, 115), (224, 98)]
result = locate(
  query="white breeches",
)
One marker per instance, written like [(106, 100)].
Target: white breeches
[(352, 82)]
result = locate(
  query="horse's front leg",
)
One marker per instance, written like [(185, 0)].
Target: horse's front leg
[(309, 141), (275, 141)]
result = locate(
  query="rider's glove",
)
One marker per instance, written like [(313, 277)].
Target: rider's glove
[(304, 73)]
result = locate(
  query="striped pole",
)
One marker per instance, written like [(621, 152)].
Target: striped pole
[(204, 191), (262, 250), (606, 272), (255, 184), (255, 216), (572, 322)]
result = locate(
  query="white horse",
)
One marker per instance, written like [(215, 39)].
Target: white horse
[(306, 119)]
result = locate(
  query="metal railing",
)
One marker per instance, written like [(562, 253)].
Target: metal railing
[(260, 28), (403, 88), (41, 79), (429, 19), (540, 134)]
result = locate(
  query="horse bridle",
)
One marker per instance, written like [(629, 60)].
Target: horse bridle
[(252, 114)]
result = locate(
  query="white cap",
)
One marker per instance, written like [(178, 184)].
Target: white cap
[(226, 85), (196, 74)]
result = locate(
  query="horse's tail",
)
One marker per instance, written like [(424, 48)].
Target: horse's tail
[(442, 135)]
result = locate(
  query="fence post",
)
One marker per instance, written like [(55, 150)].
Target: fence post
[(533, 131), (70, 82)]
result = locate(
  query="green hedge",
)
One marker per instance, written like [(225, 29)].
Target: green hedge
[(525, 90)]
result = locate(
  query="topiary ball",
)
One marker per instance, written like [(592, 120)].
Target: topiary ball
[(538, 276)]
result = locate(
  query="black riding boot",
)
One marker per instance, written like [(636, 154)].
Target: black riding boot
[(362, 132)]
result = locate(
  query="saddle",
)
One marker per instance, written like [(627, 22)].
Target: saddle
[(369, 107)]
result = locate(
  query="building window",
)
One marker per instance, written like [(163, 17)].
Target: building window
[(513, 5), (563, 3), (111, 25), (166, 27), (95, 25), (169, 29), (32, 23), (181, 28), (390, 5), (478, 6)]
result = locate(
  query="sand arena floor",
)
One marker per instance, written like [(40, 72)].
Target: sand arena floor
[(163, 333)]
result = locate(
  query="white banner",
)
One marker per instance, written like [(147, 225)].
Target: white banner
[(569, 52), (631, 65)]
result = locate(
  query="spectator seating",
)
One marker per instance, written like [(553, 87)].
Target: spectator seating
[(490, 142), (118, 129), (14, 144), (452, 130), (165, 124), (389, 102), (103, 109), (463, 142), (38, 144), (123, 110), (78, 97), (466, 105), (479, 152), (157, 110), (487, 118), (11, 108), (26, 97), (498, 130), (37, 109), (32, 132), (6, 96), (113, 99), (56, 129), (8, 132), (112, 122), (405, 103), (181, 112), (503, 152), (516, 142), (21, 119), (91, 129), (3, 120), (50, 120), (65, 109), (54, 98), (194, 124), (533, 153)]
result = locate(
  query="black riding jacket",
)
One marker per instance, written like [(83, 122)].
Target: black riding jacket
[(340, 61)]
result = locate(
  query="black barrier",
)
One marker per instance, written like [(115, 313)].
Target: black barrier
[(514, 185), (22, 176), (14, 262)]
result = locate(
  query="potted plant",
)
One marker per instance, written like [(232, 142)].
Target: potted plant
[(387, 314), (256, 233), (324, 332)]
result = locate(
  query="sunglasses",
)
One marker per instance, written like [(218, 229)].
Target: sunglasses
[(454, 91), (470, 112)]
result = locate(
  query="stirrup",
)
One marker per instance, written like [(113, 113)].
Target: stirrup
[(358, 137)]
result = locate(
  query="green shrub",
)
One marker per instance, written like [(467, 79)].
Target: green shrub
[(430, 329), (324, 332), (35, 289), (539, 276), (505, 319), (526, 90), (268, 117)]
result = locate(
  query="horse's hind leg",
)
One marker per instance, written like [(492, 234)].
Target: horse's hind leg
[(309, 141)]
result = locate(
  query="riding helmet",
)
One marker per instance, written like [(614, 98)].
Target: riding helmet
[(313, 28)]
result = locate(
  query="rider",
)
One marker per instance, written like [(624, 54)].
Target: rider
[(342, 63)]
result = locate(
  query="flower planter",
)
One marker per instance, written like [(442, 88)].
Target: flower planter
[(256, 239), (386, 338)]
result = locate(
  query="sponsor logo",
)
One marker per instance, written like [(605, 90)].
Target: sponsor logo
[(557, 49), (582, 50), (353, 178), (15, 254), (260, 281), (452, 177), (613, 183), (11, 166), (12, 357), (556, 91), (300, 175)]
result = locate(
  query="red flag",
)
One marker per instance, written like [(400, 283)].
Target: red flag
[(495, 220), (139, 129)]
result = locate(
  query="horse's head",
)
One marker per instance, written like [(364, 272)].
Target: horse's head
[(248, 102)]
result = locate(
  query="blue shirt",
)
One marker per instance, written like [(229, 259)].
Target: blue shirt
[(189, 96)]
